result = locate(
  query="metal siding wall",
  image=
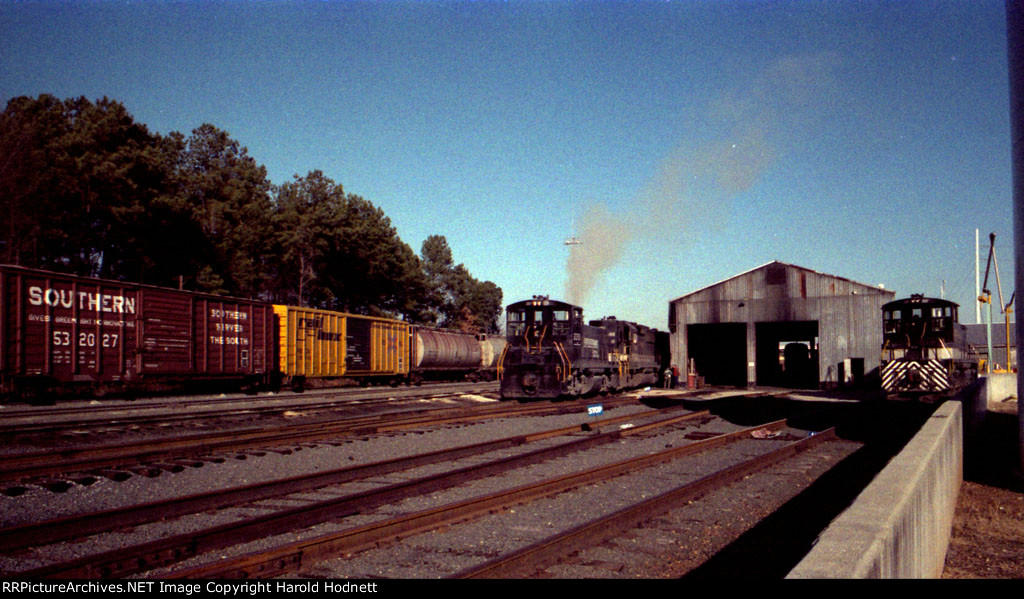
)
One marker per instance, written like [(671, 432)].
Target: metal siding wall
[(751, 354), (849, 314)]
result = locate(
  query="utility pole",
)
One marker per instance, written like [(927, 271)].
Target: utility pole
[(977, 279)]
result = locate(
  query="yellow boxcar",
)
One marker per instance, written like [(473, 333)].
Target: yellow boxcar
[(324, 344)]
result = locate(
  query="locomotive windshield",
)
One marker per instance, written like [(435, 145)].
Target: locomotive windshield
[(522, 318), (541, 319), (560, 323), (919, 321), (516, 322)]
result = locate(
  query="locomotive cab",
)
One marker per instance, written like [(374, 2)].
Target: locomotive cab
[(919, 324), (537, 323), (924, 347), (543, 339)]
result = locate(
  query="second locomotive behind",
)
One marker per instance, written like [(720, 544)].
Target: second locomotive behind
[(550, 352)]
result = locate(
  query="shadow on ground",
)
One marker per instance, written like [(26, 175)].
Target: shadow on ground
[(773, 547), (991, 457)]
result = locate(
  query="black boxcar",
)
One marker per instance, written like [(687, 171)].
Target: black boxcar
[(66, 333)]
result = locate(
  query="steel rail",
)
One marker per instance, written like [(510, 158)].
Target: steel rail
[(292, 557), (27, 420), (138, 558), (601, 529), (61, 529), (85, 458), (157, 413)]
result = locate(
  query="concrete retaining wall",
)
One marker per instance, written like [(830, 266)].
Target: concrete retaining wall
[(900, 524), (999, 387), (995, 393)]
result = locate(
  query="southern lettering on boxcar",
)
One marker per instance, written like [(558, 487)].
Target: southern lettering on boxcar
[(67, 330)]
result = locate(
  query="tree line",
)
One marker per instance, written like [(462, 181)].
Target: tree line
[(87, 190)]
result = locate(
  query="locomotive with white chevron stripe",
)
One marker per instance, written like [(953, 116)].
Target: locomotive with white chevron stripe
[(924, 347)]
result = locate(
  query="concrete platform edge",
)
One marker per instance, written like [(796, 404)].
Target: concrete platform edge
[(899, 526)]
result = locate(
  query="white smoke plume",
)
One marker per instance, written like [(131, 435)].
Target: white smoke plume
[(602, 240), (696, 182)]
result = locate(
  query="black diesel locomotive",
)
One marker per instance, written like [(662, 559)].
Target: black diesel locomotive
[(551, 353), (924, 347)]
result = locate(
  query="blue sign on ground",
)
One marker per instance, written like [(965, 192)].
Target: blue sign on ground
[(595, 409)]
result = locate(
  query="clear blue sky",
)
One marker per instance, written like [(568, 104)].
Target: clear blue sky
[(863, 139)]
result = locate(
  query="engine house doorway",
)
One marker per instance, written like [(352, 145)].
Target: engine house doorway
[(719, 352), (787, 354)]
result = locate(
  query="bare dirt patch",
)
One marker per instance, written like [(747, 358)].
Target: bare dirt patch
[(988, 534), (988, 528)]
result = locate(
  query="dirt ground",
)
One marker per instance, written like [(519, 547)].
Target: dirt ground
[(988, 528)]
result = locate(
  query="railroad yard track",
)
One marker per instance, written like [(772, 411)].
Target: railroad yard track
[(57, 469), (512, 490), (83, 417)]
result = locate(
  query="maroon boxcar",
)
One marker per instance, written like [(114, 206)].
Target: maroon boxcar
[(63, 332)]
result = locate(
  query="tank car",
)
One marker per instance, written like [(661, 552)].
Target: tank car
[(491, 348), (441, 354), (924, 347), (550, 352)]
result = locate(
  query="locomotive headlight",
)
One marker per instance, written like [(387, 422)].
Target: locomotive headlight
[(529, 383)]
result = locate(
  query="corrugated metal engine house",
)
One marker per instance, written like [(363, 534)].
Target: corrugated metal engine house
[(780, 325)]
